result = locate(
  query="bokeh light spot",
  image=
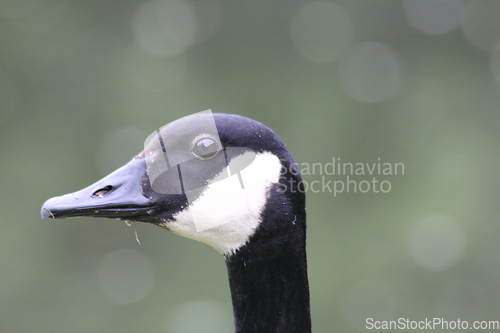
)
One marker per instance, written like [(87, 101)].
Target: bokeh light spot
[(434, 17), (164, 27), (481, 25), (437, 242), (371, 73), (126, 276), (322, 31)]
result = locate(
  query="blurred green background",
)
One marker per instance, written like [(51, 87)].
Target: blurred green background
[(82, 83)]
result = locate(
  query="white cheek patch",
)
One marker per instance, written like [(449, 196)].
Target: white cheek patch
[(225, 215)]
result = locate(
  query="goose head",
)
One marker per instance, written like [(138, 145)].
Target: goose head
[(205, 176), (227, 181)]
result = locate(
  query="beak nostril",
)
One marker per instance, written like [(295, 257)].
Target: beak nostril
[(101, 192)]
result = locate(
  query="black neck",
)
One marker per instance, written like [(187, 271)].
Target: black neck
[(268, 276)]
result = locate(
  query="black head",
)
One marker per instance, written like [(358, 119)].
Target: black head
[(206, 176)]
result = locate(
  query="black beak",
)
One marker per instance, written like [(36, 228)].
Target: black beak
[(117, 195)]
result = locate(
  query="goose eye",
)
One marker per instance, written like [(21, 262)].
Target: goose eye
[(205, 149)]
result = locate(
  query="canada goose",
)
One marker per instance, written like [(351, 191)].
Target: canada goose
[(227, 181)]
